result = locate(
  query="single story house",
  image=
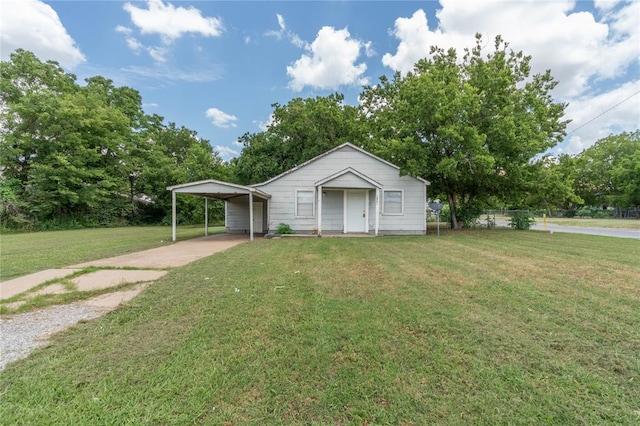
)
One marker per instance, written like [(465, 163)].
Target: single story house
[(345, 190)]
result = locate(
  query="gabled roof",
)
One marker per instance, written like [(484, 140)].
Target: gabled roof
[(216, 189), (347, 171), (339, 147)]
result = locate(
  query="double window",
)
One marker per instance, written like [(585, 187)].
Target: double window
[(392, 201), (304, 203)]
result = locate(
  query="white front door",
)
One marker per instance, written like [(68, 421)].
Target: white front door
[(356, 211), (257, 217)]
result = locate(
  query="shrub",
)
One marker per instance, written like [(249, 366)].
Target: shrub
[(284, 228), (521, 220)]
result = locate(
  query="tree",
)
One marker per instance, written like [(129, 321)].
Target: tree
[(301, 130), (608, 173), (469, 125), (553, 184), (59, 140), (89, 154)]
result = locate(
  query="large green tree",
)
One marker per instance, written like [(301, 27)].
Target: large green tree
[(300, 130), (471, 125), (553, 184), (89, 153), (608, 173), (59, 140)]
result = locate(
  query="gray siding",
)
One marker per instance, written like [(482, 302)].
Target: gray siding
[(348, 180), (332, 206), (237, 218), (283, 192)]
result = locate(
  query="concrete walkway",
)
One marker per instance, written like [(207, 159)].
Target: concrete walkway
[(165, 257)]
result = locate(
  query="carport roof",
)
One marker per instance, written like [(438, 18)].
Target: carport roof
[(216, 189)]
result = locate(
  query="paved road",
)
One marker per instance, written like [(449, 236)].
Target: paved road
[(607, 232)]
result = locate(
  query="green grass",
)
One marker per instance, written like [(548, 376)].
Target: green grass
[(474, 327), (22, 254)]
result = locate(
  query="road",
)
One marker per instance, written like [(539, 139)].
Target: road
[(607, 232)]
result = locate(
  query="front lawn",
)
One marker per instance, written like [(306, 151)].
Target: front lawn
[(474, 327)]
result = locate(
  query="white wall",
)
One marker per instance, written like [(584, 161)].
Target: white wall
[(283, 192)]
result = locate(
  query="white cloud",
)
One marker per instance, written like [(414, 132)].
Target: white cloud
[(172, 22), (34, 26), (264, 125), (221, 118), (582, 48), (329, 63), (225, 152), (596, 117), (281, 23), (171, 74), (283, 32), (414, 36)]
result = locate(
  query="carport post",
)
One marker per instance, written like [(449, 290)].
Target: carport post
[(173, 215), (251, 215), (206, 216), (377, 225), (320, 211)]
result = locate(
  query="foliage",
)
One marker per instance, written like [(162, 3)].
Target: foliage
[(300, 130), (284, 228), (469, 125), (521, 220), (608, 173), (552, 184), (470, 328), (88, 155)]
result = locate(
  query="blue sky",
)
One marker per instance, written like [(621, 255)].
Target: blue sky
[(216, 67)]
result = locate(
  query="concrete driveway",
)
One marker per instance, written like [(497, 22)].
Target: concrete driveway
[(22, 333), (165, 257)]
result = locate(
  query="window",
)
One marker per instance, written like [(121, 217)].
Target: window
[(304, 203), (392, 201)]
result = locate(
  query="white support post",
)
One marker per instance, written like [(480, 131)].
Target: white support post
[(377, 226), (320, 211), (250, 215), (344, 211), (366, 212), (206, 217), (173, 216)]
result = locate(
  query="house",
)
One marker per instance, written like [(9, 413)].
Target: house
[(345, 190)]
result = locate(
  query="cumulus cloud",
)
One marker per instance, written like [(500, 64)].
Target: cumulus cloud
[(330, 62), (596, 117), (172, 22), (220, 118), (33, 25), (573, 45)]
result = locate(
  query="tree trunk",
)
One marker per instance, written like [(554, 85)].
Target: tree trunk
[(546, 203), (452, 207)]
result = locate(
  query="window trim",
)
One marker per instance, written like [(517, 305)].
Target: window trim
[(313, 203), (401, 191)]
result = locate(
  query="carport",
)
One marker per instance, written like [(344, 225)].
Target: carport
[(215, 189)]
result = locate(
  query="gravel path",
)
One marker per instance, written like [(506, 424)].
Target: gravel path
[(22, 333)]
